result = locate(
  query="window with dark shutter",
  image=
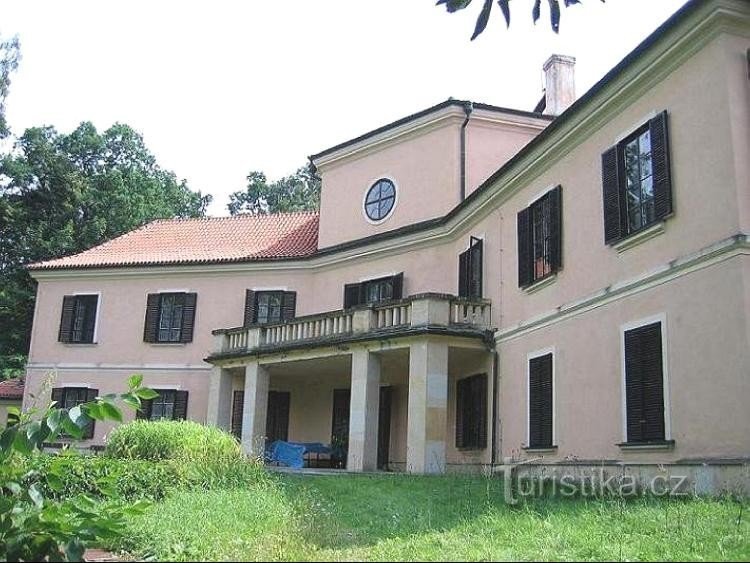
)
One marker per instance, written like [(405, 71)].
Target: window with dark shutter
[(71, 397), (540, 238), (644, 384), (170, 317), (637, 181), (270, 306), (470, 270), (374, 291), (471, 412), (170, 404), (238, 407), (541, 408), (78, 320)]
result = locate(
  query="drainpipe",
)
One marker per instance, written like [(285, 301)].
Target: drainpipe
[(468, 108), (495, 378)]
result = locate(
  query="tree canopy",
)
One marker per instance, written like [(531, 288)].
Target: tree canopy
[(484, 15), (10, 54), (297, 192), (63, 193)]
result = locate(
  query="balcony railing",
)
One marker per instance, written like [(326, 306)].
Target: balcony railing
[(425, 310)]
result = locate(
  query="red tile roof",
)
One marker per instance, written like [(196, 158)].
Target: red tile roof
[(202, 241), (11, 389)]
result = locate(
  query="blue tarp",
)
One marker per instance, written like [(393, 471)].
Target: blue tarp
[(292, 454)]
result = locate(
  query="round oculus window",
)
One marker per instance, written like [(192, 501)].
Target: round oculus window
[(380, 199)]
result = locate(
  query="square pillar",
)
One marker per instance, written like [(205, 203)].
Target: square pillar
[(428, 407), (255, 409), (220, 398), (363, 416)]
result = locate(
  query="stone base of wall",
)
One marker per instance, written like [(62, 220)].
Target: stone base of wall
[(700, 477), (710, 477)]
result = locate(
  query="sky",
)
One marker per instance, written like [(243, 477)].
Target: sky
[(221, 88)]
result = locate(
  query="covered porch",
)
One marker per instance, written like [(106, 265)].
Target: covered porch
[(387, 402)]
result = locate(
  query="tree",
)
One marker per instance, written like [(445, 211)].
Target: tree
[(61, 194), (10, 54), (298, 192), (484, 15)]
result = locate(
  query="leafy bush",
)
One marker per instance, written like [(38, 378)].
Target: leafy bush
[(70, 474), (172, 440)]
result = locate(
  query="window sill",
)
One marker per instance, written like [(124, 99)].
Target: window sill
[(540, 450), (639, 237), (80, 344), (549, 279), (662, 445), (170, 344)]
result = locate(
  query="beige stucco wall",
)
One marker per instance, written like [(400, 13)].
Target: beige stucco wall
[(39, 382), (709, 129), (708, 358)]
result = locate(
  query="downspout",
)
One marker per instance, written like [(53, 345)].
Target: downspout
[(495, 378), (468, 108)]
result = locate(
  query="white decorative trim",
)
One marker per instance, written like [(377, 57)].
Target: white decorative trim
[(529, 357), (662, 319), (640, 237), (541, 194), (637, 125), (727, 249), (541, 284), (275, 288), (377, 277), (371, 184), (165, 387)]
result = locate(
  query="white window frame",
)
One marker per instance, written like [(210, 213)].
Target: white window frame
[(395, 199), (538, 354), (658, 318), (98, 311)]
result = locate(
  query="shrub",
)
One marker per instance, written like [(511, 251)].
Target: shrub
[(172, 440), (69, 474)]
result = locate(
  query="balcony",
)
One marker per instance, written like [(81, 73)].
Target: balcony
[(427, 313)]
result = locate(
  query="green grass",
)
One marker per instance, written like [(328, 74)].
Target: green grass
[(430, 518)]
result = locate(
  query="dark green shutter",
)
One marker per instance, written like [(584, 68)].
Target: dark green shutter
[(188, 317), (277, 416), (540, 402), (66, 318), (352, 295), (89, 322), (180, 405), (91, 395), (289, 305), (151, 325), (525, 260), (57, 396), (238, 407), (556, 229), (463, 274), (397, 282), (614, 212), (660, 162), (144, 413), (644, 384), (249, 307), (475, 267), (460, 412)]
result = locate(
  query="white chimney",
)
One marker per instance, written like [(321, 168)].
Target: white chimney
[(560, 83)]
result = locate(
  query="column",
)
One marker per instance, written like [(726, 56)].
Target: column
[(428, 406), (220, 398), (255, 408), (363, 417)]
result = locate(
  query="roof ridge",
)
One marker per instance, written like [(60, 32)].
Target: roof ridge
[(231, 217)]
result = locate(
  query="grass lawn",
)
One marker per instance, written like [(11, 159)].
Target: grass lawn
[(397, 517)]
